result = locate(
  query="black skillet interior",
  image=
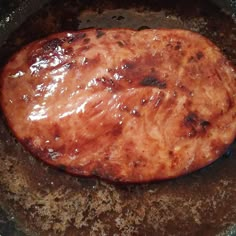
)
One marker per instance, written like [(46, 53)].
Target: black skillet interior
[(45, 201)]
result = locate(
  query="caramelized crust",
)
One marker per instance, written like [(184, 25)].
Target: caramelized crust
[(125, 105)]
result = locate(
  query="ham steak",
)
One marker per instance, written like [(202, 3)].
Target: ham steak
[(124, 105)]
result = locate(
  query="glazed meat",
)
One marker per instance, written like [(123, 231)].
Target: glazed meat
[(124, 105)]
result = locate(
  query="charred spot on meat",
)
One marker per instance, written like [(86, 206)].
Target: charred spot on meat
[(152, 81)]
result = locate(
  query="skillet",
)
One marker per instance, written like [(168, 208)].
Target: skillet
[(39, 200)]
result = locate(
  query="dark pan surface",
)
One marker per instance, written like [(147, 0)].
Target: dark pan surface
[(45, 201)]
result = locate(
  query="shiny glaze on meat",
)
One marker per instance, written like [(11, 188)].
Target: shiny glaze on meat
[(125, 105)]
